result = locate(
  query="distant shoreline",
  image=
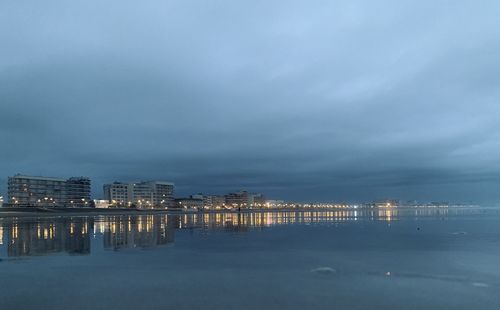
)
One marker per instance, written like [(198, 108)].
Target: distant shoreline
[(30, 212), (16, 212)]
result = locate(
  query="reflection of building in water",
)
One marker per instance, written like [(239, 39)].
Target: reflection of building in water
[(387, 214), (137, 231), (242, 220), (51, 236)]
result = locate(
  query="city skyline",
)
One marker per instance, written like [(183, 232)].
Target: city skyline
[(50, 191), (317, 101)]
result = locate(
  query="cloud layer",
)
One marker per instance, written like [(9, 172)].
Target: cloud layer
[(306, 100)]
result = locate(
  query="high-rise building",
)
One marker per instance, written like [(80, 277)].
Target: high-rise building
[(118, 194), (78, 192), (152, 194), (34, 191)]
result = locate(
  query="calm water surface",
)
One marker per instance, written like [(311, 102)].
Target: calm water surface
[(384, 259)]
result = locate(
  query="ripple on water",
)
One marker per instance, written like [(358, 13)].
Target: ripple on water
[(324, 270)]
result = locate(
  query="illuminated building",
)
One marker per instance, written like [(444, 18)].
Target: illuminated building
[(239, 199), (101, 203), (218, 201), (78, 192), (389, 203), (152, 194), (33, 191), (210, 201), (244, 199), (194, 201), (118, 194), (259, 199)]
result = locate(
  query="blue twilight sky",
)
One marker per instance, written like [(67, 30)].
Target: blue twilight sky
[(302, 100)]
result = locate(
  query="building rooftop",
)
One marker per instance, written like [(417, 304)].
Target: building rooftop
[(20, 176)]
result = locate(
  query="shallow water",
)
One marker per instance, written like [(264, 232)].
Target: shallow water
[(384, 259)]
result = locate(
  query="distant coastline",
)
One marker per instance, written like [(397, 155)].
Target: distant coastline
[(27, 212)]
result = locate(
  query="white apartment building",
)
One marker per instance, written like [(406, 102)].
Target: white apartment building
[(151, 194)]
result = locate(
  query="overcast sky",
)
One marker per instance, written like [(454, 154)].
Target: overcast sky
[(302, 100)]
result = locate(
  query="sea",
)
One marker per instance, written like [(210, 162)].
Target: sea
[(387, 258)]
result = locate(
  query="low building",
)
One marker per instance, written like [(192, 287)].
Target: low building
[(35, 191), (191, 202), (218, 201), (239, 199), (272, 203), (244, 199), (101, 203), (386, 203), (210, 201), (259, 200)]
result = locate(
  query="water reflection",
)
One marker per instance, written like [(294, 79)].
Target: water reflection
[(21, 237), (47, 236), (136, 231)]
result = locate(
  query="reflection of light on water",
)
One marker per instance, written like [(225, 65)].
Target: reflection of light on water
[(149, 223), (14, 231), (272, 218), (48, 236), (387, 214), (206, 218), (102, 227)]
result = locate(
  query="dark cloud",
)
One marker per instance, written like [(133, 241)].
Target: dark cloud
[(306, 100)]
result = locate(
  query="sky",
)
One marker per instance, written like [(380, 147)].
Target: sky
[(301, 100)]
